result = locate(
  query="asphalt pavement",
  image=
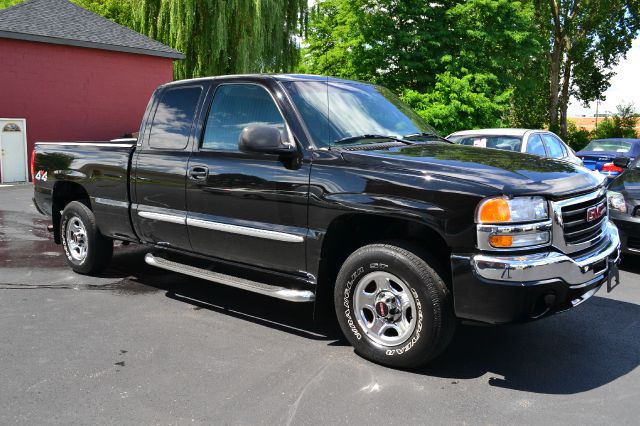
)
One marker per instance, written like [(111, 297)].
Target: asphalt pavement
[(139, 345)]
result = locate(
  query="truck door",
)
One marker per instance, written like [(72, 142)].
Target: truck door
[(160, 167), (246, 207)]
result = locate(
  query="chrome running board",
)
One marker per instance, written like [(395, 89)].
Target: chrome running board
[(244, 284)]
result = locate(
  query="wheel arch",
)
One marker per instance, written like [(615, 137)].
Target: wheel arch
[(350, 231), (65, 192)]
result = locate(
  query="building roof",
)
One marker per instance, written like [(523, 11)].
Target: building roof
[(62, 22)]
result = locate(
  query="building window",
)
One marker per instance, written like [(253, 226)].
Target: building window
[(11, 127)]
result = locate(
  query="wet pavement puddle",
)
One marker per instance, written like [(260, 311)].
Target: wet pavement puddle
[(29, 259)]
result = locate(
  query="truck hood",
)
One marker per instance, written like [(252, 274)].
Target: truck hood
[(511, 173)]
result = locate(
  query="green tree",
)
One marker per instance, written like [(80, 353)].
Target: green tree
[(120, 11), (467, 102), (475, 54), (587, 38), (621, 125), (225, 37), (7, 3), (500, 38), (577, 138), (388, 42)]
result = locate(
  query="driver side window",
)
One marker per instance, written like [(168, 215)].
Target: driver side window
[(234, 107)]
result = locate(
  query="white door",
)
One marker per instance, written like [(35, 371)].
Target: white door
[(13, 145)]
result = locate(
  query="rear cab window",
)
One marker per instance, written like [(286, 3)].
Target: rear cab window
[(173, 119)]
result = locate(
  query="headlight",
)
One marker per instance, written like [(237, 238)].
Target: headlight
[(616, 201), (512, 210), (511, 223)]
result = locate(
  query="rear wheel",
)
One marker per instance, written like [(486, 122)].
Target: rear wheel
[(393, 306), (86, 249)]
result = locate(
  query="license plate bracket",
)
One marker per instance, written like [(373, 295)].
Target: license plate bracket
[(613, 275)]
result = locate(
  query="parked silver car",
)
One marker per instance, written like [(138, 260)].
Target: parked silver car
[(538, 142)]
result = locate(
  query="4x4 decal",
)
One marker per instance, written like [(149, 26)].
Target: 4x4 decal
[(41, 175)]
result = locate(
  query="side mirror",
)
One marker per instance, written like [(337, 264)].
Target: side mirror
[(621, 162), (265, 140)]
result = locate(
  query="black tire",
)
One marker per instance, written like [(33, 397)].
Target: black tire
[(98, 248), (435, 321)]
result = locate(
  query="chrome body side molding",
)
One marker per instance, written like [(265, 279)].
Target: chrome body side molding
[(180, 220), (245, 230), (110, 202)]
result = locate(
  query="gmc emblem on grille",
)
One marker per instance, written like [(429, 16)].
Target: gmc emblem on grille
[(596, 212)]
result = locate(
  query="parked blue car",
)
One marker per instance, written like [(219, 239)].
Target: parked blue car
[(600, 153)]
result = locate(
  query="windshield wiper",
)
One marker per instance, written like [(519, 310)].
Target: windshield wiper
[(351, 139), (425, 135)]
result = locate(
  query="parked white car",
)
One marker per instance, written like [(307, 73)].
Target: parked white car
[(538, 142)]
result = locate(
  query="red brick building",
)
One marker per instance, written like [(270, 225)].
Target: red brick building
[(68, 74)]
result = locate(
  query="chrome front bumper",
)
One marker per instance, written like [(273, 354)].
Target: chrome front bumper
[(579, 271)]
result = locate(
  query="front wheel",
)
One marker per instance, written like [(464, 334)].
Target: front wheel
[(86, 249), (392, 305)]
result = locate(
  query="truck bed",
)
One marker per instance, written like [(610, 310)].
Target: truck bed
[(98, 168)]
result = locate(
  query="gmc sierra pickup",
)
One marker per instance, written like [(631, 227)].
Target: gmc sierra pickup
[(309, 188)]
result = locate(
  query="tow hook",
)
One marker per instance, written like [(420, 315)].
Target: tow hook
[(543, 306)]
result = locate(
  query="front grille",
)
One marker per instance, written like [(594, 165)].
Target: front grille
[(577, 229)]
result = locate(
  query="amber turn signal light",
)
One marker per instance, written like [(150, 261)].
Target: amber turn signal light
[(499, 241), (494, 210)]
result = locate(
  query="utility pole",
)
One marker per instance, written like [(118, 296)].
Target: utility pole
[(597, 104)]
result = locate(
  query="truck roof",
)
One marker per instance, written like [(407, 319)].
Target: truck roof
[(278, 77)]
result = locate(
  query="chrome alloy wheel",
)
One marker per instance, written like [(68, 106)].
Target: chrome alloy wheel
[(385, 308), (76, 237)]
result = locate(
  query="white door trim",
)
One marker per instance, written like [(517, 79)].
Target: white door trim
[(26, 154)]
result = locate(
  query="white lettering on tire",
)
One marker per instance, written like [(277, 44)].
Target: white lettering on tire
[(346, 303), (64, 240), (407, 347)]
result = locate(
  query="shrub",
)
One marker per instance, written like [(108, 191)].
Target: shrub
[(577, 138), (621, 125)]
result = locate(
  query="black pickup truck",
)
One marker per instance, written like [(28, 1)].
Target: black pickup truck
[(309, 188)]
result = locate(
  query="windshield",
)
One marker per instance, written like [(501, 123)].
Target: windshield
[(334, 111), (609, 146), (506, 143)]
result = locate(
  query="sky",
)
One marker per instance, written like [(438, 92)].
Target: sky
[(625, 86)]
